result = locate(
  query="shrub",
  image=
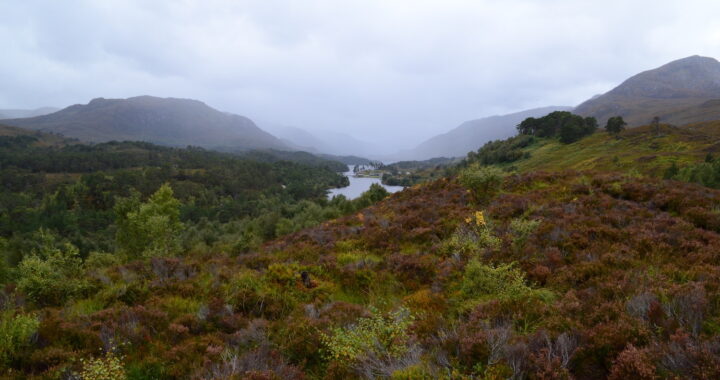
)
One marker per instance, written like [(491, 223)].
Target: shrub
[(502, 151), (483, 181), (481, 281), (108, 367), (703, 173), (385, 336), (522, 229), (633, 364), (474, 235), (4, 265), (151, 228), (51, 276), (15, 333), (98, 260), (372, 195), (412, 372), (251, 293)]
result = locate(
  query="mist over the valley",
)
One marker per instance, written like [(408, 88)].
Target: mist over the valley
[(377, 79)]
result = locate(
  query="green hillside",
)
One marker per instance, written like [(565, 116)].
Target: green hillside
[(643, 150)]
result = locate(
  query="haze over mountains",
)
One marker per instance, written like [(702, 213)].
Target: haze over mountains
[(472, 134), (167, 121), (19, 113), (319, 141), (681, 92)]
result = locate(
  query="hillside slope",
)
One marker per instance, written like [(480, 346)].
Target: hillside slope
[(564, 275), (166, 121), (472, 134), (680, 92), (41, 138), (638, 149)]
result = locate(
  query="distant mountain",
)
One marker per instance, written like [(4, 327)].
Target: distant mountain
[(166, 121), (320, 141), (18, 113), (294, 137), (471, 135), (680, 92)]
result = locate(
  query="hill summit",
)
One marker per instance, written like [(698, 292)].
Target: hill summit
[(678, 92), (167, 121)]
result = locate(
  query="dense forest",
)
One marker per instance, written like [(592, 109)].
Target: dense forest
[(78, 194)]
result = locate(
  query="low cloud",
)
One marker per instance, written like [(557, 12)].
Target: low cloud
[(394, 72)]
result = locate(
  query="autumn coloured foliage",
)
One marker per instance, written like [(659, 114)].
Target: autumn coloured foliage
[(551, 276)]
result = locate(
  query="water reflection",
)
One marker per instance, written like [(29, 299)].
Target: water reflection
[(359, 185)]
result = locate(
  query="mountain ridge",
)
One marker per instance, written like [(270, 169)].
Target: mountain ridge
[(166, 121), (681, 87)]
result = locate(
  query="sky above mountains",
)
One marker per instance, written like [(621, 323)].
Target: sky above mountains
[(393, 72)]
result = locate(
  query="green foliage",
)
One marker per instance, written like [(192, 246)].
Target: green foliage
[(672, 171), (4, 264), (414, 372), (615, 125), (374, 194), (381, 335), (565, 125), (85, 307), (98, 260), (357, 257), (149, 229), (522, 229), (176, 306), (704, 173), (472, 237), (483, 181), (108, 367), (272, 294), (15, 333), (481, 282), (502, 151), (146, 371), (51, 275), (42, 189)]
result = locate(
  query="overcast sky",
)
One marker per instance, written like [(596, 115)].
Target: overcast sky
[(383, 70)]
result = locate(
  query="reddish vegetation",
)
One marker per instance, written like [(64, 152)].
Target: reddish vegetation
[(630, 268)]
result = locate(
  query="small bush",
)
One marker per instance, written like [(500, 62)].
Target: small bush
[(476, 234), (376, 335), (483, 181), (51, 276), (15, 333), (108, 367), (482, 281), (98, 260), (633, 363), (522, 229), (502, 151)]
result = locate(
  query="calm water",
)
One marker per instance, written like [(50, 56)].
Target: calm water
[(359, 186)]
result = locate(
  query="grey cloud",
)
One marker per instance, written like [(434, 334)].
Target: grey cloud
[(394, 72)]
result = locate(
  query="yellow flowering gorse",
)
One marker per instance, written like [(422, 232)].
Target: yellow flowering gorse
[(478, 217)]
